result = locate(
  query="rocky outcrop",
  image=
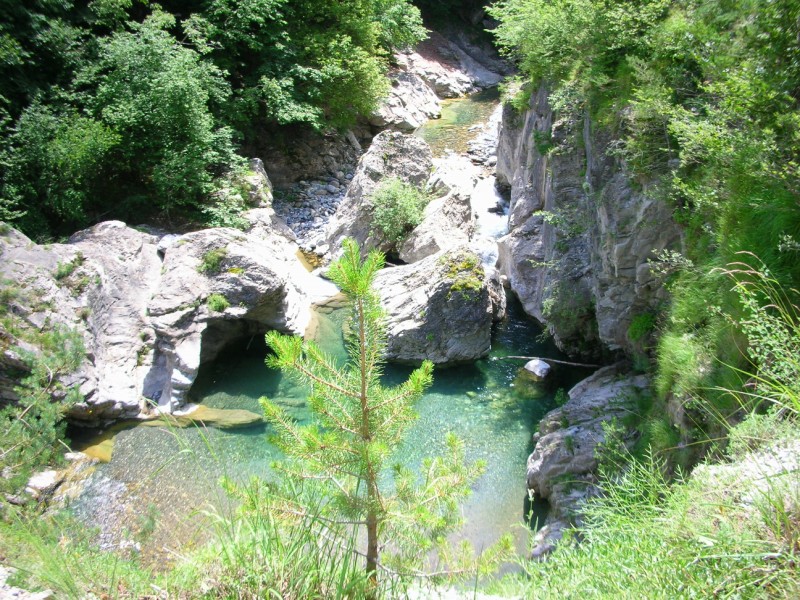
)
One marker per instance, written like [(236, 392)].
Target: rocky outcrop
[(448, 221), (581, 232), (435, 63), (294, 155), (409, 104), (250, 188), (147, 324), (453, 64), (440, 308), (217, 285), (392, 154), (97, 284), (562, 467)]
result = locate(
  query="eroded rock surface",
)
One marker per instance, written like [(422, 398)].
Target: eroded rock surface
[(252, 275), (440, 308), (562, 467), (147, 324), (392, 154), (581, 232), (410, 103)]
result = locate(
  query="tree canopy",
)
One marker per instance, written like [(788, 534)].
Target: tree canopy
[(126, 107)]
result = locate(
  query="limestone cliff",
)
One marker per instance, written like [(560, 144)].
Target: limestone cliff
[(581, 231)]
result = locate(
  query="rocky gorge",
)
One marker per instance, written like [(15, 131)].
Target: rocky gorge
[(152, 306)]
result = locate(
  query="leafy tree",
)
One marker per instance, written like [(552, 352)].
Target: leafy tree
[(59, 160), (310, 62), (342, 456), (159, 97), (152, 104)]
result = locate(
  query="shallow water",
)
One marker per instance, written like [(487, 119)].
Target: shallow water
[(452, 130)]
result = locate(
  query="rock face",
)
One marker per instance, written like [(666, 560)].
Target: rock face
[(410, 103), (392, 154), (448, 221), (580, 232), (253, 277), (306, 154), (440, 308), (98, 284), (147, 325), (562, 466), (435, 62)]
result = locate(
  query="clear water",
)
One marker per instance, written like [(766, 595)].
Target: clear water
[(452, 130), (176, 472)]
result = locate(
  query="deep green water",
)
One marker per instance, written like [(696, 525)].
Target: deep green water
[(451, 130)]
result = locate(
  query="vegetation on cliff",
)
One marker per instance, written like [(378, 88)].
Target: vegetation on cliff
[(129, 108), (703, 100)]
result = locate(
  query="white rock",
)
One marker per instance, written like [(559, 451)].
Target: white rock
[(537, 369)]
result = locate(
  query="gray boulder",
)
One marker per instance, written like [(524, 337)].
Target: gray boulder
[(147, 324), (440, 308), (448, 220), (410, 103), (447, 223), (253, 277), (537, 369), (97, 284), (392, 154), (562, 466)]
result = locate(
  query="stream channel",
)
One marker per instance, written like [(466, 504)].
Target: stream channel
[(170, 477)]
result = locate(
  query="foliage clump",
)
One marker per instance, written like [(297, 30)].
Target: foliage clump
[(397, 209), (217, 302), (148, 104), (33, 426), (211, 261)]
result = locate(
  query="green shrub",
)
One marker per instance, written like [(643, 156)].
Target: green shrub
[(641, 326), (64, 270), (211, 263), (397, 209), (561, 397), (217, 302)]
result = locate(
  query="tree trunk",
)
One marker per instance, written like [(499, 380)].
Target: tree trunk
[(372, 553)]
